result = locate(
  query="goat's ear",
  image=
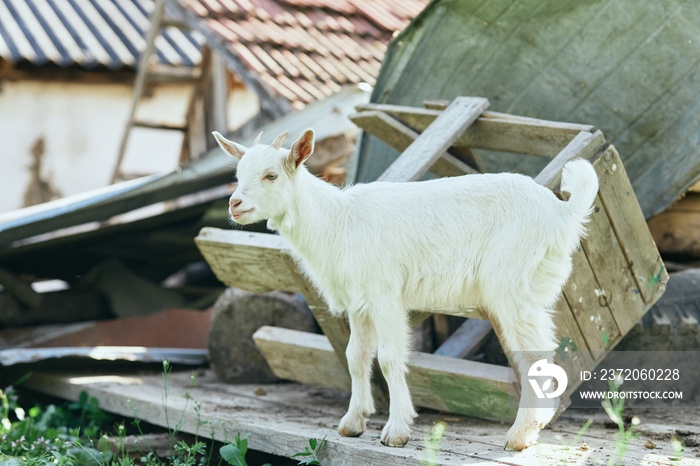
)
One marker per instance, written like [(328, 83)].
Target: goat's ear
[(301, 149), (229, 147)]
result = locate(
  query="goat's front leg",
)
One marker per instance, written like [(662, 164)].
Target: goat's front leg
[(393, 336), (360, 355)]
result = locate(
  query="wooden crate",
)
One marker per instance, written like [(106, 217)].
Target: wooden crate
[(617, 272)]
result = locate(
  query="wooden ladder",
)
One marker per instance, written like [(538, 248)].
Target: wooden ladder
[(206, 109)]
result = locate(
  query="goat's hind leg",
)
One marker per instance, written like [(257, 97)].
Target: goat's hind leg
[(360, 356), (532, 339)]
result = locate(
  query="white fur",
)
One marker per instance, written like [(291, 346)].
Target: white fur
[(497, 241)]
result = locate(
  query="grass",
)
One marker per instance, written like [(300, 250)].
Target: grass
[(614, 408), (80, 433), (432, 444)]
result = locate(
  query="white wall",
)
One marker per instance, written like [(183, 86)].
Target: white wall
[(82, 125)]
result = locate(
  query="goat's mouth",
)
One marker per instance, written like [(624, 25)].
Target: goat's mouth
[(240, 213)]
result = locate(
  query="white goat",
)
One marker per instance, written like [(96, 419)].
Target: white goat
[(497, 241)]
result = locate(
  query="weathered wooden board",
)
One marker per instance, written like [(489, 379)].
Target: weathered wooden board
[(573, 353), (618, 289), (336, 328), (260, 262), (435, 140), (630, 69), (628, 222), (466, 340), (399, 136), (593, 316), (301, 357), (584, 145), (283, 419), (436, 382), (251, 261), (493, 131)]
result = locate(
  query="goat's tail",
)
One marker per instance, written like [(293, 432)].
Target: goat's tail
[(579, 179)]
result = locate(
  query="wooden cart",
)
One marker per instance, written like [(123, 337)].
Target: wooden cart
[(617, 272)]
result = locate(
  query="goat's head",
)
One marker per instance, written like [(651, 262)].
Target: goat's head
[(265, 175)]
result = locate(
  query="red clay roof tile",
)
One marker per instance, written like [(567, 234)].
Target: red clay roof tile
[(304, 50)]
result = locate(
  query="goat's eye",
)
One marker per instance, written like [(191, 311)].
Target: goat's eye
[(271, 176)]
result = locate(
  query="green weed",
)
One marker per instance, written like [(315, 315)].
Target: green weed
[(614, 408), (432, 444), (73, 434), (311, 452)]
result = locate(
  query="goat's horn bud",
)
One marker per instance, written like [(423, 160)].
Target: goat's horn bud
[(257, 139), (277, 143)]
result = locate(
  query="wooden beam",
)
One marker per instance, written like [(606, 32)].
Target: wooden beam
[(494, 131), (618, 287), (583, 145), (435, 139), (251, 261), (335, 328), (627, 218), (302, 357), (466, 154), (282, 417), (436, 382), (466, 340), (399, 136)]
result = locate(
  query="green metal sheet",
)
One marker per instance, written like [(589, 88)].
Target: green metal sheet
[(630, 68)]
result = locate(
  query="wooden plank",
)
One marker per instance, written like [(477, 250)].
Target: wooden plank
[(251, 261), (469, 156), (435, 139), (436, 382), (583, 293), (630, 227), (494, 131), (610, 267), (400, 136), (485, 391), (281, 422), (466, 340), (335, 328), (573, 353), (302, 357), (471, 312), (261, 262), (583, 145)]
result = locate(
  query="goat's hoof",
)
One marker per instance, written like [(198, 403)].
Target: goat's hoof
[(520, 440), (392, 437), (351, 426), (398, 442), (350, 433)]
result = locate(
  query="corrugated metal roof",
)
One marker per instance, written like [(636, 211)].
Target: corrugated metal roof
[(87, 33), (307, 49)]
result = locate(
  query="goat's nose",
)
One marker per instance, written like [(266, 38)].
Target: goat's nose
[(234, 203)]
